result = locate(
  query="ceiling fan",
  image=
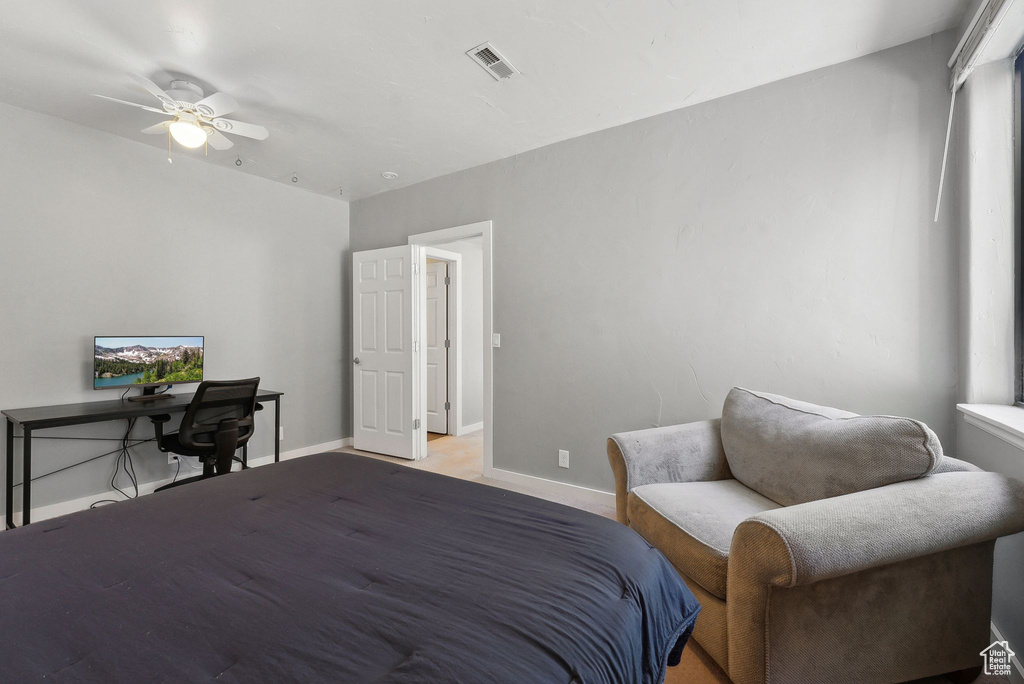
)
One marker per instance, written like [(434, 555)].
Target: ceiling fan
[(197, 118)]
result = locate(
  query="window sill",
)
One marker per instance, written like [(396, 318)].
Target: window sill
[(1004, 422)]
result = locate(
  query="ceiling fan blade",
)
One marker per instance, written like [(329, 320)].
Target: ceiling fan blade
[(156, 91), (218, 141), (133, 104), (157, 128), (217, 104), (241, 128)]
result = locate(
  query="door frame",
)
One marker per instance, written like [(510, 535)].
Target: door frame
[(454, 298), (484, 230)]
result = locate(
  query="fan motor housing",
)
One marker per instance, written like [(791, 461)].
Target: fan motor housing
[(186, 93)]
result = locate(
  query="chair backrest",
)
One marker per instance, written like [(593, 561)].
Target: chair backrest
[(216, 401)]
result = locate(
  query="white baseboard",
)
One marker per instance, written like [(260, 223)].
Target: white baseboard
[(466, 429), (553, 486), (1017, 670), (65, 507), (304, 451)]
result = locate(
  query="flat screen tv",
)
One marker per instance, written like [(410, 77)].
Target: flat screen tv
[(120, 362)]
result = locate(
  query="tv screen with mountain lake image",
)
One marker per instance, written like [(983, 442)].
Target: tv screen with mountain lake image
[(127, 361)]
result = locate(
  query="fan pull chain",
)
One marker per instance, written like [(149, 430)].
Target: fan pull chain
[(169, 160)]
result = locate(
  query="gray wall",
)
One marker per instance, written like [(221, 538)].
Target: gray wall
[(779, 238), (472, 312), (101, 236)]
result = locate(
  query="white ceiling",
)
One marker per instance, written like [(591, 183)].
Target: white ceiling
[(351, 88)]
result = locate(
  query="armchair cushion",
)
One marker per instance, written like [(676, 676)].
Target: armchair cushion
[(692, 523), (793, 452)]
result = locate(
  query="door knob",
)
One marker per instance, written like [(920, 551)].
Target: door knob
[(356, 360)]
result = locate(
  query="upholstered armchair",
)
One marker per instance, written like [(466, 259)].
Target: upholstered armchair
[(822, 546)]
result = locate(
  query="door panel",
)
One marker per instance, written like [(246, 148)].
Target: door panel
[(436, 314), (385, 398), (368, 399)]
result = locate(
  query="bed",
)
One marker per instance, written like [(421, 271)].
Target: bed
[(338, 568)]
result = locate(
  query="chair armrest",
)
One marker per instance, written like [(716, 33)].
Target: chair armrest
[(158, 429), (691, 452), (846, 534)]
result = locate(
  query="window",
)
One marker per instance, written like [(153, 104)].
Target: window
[(1018, 184)]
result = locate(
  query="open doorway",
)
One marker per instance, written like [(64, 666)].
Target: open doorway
[(454, 340), (422, 336), (467, 444)]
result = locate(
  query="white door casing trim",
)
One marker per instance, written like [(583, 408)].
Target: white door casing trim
[(484, 229)]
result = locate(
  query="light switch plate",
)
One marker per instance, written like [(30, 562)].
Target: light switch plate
[(496, 340)]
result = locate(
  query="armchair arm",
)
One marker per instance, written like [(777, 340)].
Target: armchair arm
[(797, 546), (842, 535), (691, 452)]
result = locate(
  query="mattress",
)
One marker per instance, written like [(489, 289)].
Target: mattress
[(338, 568)]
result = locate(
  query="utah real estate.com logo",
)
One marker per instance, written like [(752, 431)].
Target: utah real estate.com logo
[(997, 658)]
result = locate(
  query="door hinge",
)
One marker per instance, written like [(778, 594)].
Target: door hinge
[(416, 424), (447, 343), (415, 346), (415, 268), (447, 406), (447, 280)]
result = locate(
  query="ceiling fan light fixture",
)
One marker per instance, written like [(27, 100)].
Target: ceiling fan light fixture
[(188, 133)]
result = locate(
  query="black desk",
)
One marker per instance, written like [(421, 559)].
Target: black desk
[(43, 417)]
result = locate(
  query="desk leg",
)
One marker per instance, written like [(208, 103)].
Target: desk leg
[(9, 488), (277, 430), (26, 477)]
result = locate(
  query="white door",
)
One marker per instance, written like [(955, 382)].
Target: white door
[(436, 312), (385, 343)]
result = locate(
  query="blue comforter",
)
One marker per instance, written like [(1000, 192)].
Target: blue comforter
[(338, 568)]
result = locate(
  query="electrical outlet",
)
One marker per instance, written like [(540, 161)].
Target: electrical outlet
[(563, 458), (280, 434), (172, 459)]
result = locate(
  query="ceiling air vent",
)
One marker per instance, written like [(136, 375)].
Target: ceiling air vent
[(490, 59)]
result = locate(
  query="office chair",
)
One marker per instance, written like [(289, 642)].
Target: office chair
[(216, 423)]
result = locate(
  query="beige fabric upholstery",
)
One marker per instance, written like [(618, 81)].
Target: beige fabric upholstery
[(948, 464), (692, 524), (885, 582), (696, 667), (710, 629), (928, 615), (846, 534), (794, 452), (677, 453)]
